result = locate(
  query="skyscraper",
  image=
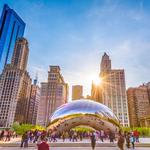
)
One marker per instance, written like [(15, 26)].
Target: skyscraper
[(15, 84), (77, 92), (20, 56), (11, 28), (33, 103), (96, 92), (138, 104), (114, 90), (54, 93)]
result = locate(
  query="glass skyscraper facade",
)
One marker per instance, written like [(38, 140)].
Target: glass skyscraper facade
[(11, 28)]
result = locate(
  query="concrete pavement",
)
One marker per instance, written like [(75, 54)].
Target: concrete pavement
[(69, 148), (15, 143)]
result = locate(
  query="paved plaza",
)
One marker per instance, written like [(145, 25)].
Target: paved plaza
[(69, 148), (18, 140), (67, 145)]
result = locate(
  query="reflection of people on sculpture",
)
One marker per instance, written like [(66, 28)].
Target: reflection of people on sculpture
[(93, 141)]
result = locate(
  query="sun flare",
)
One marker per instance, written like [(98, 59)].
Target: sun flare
[(97, 81)]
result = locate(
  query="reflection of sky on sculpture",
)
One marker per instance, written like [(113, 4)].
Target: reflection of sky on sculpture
[(83, 106)]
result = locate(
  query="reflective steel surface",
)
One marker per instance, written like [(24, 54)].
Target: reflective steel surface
[(83, 112)]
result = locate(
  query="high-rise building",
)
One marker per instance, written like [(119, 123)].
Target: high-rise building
[(20, 56), (15, 84), (114, 90), (96, 92), (77, 92), (11, 28), (33, 103), (54, 93), (138, 104)]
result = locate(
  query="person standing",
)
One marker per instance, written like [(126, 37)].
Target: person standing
[(8, 135), (93, 141), (136, 135)]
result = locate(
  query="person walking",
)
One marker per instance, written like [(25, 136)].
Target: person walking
[(102, 135), (128, 139), (24, 141), (120, 141), (93, 141), (74, 137), (54, 135), (63, 136), (132, 140), (2, 135), (111, 136)]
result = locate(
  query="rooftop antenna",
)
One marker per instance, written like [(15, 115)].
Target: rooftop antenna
[(36, 79)]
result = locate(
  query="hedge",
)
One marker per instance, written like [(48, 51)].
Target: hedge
[(144, 131), (22, 128)]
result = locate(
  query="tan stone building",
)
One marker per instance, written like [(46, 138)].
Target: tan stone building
[(77, 92), (15, 84), (54, 93), (145, 121), (138, 104), (113, 90), (33, 103)]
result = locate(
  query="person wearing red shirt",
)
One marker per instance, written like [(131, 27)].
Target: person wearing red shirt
[(136, 135), (43, 145)]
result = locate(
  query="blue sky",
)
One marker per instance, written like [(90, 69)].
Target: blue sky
[(75, 33)]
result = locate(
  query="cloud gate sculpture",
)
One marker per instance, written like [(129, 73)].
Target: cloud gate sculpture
[(83, 112)]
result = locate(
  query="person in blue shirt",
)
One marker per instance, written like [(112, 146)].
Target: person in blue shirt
[(132, 140)]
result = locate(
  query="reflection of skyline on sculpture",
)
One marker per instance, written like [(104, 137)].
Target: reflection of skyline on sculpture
[(83, 112), (97, 23), (83, 106)]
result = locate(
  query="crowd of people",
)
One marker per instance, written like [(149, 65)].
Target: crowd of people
[(42, 137), (6, 135), (73, 136), (129, 138)]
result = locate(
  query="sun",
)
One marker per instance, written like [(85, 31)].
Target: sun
[(97, 81)]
